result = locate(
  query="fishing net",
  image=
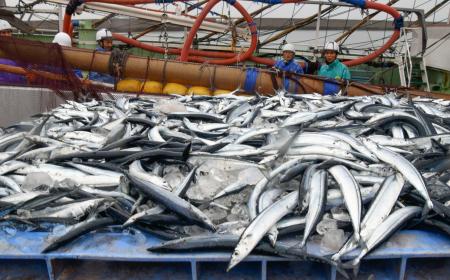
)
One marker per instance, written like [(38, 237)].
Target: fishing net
[(43, 65)]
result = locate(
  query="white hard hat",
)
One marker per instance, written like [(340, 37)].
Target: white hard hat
[(63, 39), (103, 34), (4, 25), (288, 48), (332, 46)]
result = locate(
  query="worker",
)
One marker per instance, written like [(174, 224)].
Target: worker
[(105, 43), (64, 40), (288, 64), (333, 68), (5, 77)]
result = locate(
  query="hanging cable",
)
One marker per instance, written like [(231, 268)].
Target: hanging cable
[(345, 28), (434, 15)]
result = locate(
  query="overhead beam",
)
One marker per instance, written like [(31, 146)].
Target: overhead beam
[(130, 11), (17, 23), (435, 8)]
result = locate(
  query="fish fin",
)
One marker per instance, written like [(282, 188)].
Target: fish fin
[(326, 164), (286, 146), (362, 244), (436, 143)]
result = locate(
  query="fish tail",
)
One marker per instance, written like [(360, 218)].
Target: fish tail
[(427, 207)]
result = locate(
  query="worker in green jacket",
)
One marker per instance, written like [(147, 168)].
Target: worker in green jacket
[(333, 68)]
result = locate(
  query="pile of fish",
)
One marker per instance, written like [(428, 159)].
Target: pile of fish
[(269, 175)]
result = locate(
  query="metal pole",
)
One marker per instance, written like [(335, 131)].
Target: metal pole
[(186, 10), (319, 13), (60, 18)]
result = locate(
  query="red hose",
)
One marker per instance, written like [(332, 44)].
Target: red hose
[(230, 58), (254, 40), (375, 54), (67, 23), (262, 60), (395, 14), (190, 38), (172, 51), (70, 30), (384, 8), (194, 55)]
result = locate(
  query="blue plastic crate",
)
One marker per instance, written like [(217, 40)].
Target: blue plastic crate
[(407, 255)]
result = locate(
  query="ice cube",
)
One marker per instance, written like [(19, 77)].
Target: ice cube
[(250, 176), (239, 212), (332, 241), (235, 227), (173, 175), (167, 106), (340, 214), (216, 214), (326, 225), (36, 179)]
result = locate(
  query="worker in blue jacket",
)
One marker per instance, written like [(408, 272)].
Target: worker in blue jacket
[(5, 77), (105, 44), (289, 64)]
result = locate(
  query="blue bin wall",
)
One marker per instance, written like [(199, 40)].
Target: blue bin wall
[(107, 255)]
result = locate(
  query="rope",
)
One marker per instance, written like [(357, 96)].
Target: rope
[(90, 64), (164, 72), (165, 34), (213, 86), (211, 77), (117, 62), (145, 77)]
